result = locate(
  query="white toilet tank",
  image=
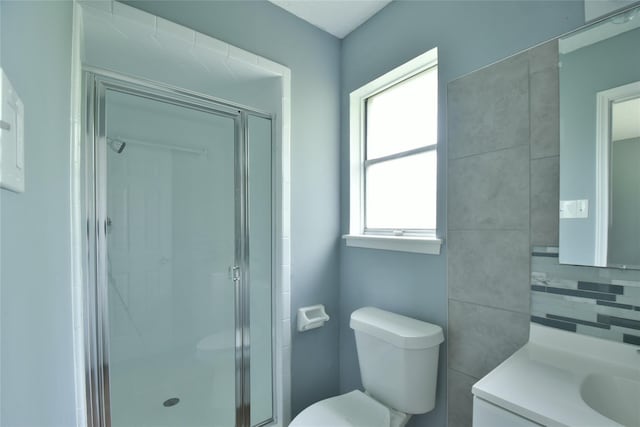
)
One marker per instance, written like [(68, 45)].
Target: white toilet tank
[(398, 358)]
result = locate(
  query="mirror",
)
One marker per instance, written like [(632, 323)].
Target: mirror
[(600, 143)]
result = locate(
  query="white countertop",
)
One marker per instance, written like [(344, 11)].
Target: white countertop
[(542, 380)]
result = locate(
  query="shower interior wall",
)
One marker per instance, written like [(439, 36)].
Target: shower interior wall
[(170, 241), (118, 46), (182, 232)]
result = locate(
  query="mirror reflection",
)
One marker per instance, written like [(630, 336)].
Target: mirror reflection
[(600, 143), (624, 231)]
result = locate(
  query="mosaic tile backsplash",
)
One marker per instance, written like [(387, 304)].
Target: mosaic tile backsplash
[(601, 302)]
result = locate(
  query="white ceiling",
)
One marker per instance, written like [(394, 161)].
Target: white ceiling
[(337, 17)]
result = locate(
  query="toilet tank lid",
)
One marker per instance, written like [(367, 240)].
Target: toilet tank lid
[(398, 330)]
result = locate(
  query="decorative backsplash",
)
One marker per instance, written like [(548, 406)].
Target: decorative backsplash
[(601, 302)]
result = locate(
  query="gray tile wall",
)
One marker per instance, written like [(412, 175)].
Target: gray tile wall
[(503, 174), (601, 302), (502, 162)]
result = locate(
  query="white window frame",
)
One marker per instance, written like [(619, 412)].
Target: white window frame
[(427, 243)]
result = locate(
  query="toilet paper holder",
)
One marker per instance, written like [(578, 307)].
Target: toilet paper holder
[(311, 317)]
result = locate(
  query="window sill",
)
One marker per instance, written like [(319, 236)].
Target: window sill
[(421, 245)]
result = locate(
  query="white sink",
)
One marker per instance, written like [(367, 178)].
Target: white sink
[(564, 379), (614, 397)]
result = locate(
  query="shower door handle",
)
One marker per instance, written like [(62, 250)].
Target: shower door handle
[(234, 272)]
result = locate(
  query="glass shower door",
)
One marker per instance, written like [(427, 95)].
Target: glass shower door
[(260, 220), (171, 243)]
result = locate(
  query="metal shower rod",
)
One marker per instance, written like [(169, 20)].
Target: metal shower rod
[(198, 151)]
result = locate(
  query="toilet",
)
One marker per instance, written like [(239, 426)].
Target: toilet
[(398, 359)]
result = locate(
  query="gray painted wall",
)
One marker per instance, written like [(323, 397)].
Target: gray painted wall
[(36, 37), (35, 291), (313, 57), (468, 35), (584, 73)]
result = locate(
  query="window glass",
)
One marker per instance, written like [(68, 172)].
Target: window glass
[(393, 145), (404, 116), (401, 193)]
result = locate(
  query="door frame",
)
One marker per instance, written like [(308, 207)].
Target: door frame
[(604, 103), (96, 323)]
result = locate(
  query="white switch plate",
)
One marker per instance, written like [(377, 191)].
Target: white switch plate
[(11, 137), (582, 208), (572, 209)]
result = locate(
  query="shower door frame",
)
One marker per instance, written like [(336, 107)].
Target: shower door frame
[(96, 82)]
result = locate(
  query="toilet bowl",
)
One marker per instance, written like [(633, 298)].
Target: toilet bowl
[(353, 409), (398, 358)]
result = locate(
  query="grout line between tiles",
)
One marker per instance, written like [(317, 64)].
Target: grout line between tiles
[(533, 159), (463, 373), (450, 159), (528, 312)]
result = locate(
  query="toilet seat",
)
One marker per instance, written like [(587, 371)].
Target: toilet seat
[(353, 409)]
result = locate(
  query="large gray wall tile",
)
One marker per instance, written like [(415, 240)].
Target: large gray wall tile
[(545, 196), (460, 398), (543, 56), (490, 268), (490, 191), (489, 110), (545, 113), (480, 338)]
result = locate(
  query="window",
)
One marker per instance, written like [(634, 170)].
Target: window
[(394, 132)]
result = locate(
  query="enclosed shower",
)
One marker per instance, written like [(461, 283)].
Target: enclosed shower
[(181, 184), (182, 191)]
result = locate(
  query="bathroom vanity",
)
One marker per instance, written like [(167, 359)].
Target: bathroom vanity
[(562, 379)]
